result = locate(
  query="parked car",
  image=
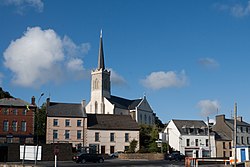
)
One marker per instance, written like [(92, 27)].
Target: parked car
[(115, 154), (84, 157), (176, 156)]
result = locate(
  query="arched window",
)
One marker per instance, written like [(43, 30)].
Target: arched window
[(96, 107), (96, 84), (145, 118), (149, 120), (140, 118)]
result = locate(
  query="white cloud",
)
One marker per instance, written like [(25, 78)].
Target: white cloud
[(161, 79), (116, 79), (208, 107), (236, 10), (39, 57), (23, 5), (208, 63)]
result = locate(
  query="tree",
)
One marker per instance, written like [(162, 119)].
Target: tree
[(40, 123), (132, 146), (4, 94)]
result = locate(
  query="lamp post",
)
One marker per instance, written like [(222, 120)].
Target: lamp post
[(37, 111)]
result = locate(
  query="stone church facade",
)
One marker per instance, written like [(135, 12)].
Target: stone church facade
[(102, 102)]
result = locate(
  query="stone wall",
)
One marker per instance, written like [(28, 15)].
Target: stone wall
[(149, 156)]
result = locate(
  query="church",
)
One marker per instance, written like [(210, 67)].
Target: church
[(102, 102)]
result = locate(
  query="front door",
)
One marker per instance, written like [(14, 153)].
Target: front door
[(243, 155), (112, 149)]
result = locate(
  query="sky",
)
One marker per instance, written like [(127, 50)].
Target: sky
[(191, 59)]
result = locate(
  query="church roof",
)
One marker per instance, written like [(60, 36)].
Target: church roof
[(124, 103), (101, 64), (111, 122), (71, 110)]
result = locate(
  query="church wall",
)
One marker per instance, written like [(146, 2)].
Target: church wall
[(109, 108), (104, 139), (120, 111), (145, 117)]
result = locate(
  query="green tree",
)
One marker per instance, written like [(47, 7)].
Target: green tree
[(40, 123), (132, 146)]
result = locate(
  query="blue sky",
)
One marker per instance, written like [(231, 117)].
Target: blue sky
[(190, 58)]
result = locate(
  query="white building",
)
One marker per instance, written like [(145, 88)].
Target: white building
[(102, 102), (190, 137)]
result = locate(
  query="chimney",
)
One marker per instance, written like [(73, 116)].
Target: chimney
[(33, 100), (220, 118), (239, 118), (83, 106), (47, 102)]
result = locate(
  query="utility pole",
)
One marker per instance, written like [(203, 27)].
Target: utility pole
[(235, 134)]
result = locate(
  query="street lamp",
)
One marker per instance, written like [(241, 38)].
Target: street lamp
[(37, 110)]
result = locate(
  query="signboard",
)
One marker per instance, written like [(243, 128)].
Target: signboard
[(30, 152)]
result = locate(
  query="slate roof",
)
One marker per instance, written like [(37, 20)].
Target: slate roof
[(111, 122), (230, 123), (221, 136), (124, 103), (71, 110), (183, 125), (14, 102)]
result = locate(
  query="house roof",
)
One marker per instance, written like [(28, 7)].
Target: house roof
[(70, 110), (183, 125), (230, 123), (124, 103), (14, 102), (222, 136), (111, 122)]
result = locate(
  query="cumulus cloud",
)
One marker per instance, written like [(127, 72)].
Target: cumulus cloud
[(24, 5), (116, 79), (39, 57), (236, 10), (161, 79), (208, 63), (208, 107)]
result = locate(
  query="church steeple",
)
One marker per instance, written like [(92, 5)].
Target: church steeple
[(101, 65)]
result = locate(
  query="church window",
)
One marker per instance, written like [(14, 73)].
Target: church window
[(96, 107), (149, 120), (141, 118), (96, 84), (145, 118)]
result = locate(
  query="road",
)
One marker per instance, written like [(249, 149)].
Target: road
[(113, 162)]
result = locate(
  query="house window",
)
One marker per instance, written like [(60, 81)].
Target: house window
[(67, 134), (188, 142), (206, 142), (247, 129), (230, 153), (5, 126), (6, 111), (79, 134), (248, 141), (23, 126), (55, 134), (126, 137), (196, 142), (230, 146), (112, 137), (14, 126), (224, 153), (67, 122), (237, 139), (224, 145), (24, 112), (241, 129), (97, 136), (55, 122), (79, 123), (242, 140), (14, 111)]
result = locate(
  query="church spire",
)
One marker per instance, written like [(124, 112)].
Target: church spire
[(101, 64)]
